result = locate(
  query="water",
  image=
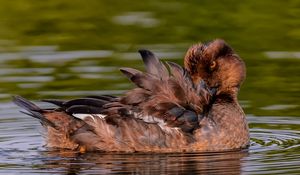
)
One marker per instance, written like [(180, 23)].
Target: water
[(58, 49)]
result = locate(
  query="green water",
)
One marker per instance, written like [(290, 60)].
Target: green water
[(64, 49)]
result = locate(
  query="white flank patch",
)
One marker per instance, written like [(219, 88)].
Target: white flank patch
[(146, 118), (151, 119), (84, 116)]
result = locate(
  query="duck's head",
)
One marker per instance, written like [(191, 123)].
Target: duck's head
[(217, 64)]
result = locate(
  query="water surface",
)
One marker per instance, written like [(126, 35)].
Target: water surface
[(59, 49)]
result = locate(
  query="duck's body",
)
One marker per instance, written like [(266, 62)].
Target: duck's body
[(191, 109)]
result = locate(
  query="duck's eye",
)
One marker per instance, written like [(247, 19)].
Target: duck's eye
[(213, 65)]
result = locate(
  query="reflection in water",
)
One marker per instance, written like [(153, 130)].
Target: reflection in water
[(69, 55), (26, 79), (274, 141), (183, 163), (144, 19), (53, 55), (64, 49), (282, 54)]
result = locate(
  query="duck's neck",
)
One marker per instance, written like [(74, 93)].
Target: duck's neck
[(228, 95)]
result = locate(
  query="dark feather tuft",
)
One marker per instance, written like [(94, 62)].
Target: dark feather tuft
[(129, 72), (56, 102), (25, 104), (108, 98), (153, 65), (85, 101), (39, 116), (33, 110), (84, 109)]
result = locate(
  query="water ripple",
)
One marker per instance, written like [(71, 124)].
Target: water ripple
[(274, 150)]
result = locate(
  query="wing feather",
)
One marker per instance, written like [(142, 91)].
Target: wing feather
[(153, 65), (168, 95)]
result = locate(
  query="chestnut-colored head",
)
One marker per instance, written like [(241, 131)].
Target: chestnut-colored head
[(217, 64)]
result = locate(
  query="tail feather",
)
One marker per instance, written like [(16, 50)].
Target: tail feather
[(25, 104), (32, 110), (63, 130), (39, 116)]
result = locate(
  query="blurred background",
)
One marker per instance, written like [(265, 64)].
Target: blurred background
[(47, 46), (64, 49)]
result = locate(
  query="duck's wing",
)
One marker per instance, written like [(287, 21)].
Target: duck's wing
[(165, 97), (73, 123), (165, 94), (87, 124)]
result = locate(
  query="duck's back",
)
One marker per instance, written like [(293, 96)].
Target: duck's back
[(160, 115)]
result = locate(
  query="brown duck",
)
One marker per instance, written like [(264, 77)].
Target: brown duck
[(172, 109)]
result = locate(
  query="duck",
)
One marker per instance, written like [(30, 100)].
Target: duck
[(172, 108)]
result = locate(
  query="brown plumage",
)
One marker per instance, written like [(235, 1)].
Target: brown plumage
[(172, 109)]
